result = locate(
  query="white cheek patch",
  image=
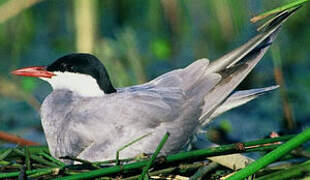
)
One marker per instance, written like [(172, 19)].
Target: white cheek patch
[(83, 84)]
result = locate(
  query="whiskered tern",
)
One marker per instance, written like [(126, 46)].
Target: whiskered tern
[(87, 118)]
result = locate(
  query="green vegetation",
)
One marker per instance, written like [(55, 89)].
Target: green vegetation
[(42, 164)]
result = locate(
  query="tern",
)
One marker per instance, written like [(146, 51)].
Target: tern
[(87, 118)]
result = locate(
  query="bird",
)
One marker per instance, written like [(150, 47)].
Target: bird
[(86, 117)]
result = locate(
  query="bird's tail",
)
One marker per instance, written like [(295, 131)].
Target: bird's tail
[(238, 98), (237, 64)]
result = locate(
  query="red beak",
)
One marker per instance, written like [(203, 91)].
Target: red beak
[(35, 71)]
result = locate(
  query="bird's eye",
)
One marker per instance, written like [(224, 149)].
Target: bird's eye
[(63, 67)]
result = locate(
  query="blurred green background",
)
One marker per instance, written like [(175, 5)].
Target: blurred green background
[(138, 40)]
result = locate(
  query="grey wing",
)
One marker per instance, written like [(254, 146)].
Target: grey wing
[(99, 127), (193, 79)]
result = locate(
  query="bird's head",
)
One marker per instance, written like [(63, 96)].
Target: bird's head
[(80, 73)]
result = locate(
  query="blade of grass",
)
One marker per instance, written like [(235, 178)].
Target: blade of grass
[(113, 161), (269, 140), (27, 158), (5, 154), (265, 25), (45, 155), (36, 158), (277, 10), (292, 172), (15, 174), (262, 148), (6, 163), (127, 145), (273, 155), (151, 161)]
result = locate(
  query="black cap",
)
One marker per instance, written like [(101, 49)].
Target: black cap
[(84, 64)]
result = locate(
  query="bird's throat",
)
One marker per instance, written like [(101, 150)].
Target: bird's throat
[(83, 85)]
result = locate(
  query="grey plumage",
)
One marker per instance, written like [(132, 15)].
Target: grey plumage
[(180, 101), (238, 98)]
